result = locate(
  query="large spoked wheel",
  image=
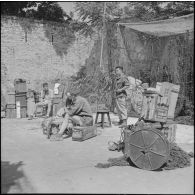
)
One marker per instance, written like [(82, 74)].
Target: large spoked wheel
[(149, 149)]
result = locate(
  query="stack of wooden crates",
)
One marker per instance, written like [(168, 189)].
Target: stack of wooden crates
[(18, 95), (159, 106), (11, 105)]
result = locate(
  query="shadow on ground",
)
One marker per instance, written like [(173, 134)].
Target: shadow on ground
[(9, 175)]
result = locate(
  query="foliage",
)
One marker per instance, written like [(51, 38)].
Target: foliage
[(155, 10), (178, 158), (46, 10), (91, 13), (185, 120), (15, 8)]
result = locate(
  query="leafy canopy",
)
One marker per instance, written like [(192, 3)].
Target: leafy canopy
[(91, 13), (46, 10)]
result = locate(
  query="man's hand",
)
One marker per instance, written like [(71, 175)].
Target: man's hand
[(60, 112)]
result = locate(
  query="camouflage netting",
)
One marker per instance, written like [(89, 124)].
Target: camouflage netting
[(178, 159), (158, 52), (150, 57)]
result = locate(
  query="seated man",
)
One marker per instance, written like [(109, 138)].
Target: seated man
[(79, 113), (46, 98)]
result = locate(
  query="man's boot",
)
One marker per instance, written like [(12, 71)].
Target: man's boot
[(124, 123)]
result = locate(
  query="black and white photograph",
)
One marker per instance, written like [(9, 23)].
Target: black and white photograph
[(97, 97)]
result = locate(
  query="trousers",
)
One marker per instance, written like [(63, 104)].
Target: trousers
[(121, 107)]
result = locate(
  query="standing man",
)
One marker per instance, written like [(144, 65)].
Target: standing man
[(46, 98), (122, 83)]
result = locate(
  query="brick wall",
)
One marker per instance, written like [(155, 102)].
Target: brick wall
[(38, 51)]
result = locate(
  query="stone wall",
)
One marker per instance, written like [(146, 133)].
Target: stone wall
[(39, 51)]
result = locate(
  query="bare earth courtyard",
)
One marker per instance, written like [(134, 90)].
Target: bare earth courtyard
[(30, 163)]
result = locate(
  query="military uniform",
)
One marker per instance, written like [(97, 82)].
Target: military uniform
[(121, 106)]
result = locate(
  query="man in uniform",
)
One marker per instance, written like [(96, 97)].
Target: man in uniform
[(46, 98), (122, 83), (79, 113)]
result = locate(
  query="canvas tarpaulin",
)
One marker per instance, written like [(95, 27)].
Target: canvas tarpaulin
[(163, 28)]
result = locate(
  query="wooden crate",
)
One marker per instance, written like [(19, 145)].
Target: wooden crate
[(22, 98), (154, 107), (20, 86), (172, 96), (169, 130), (41, 111), (2, 114), (83, 133), (10, 113), (11, 98), (12, 106)]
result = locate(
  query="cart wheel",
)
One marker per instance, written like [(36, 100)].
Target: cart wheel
[(149, 149)]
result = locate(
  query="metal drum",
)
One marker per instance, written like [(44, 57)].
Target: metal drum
[(148, 148)]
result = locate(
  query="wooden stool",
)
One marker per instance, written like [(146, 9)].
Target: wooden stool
[(102, 113)]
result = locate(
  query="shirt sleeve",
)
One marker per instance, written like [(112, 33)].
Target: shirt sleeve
[(76, 108)]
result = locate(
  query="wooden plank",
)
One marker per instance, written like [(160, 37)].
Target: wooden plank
[(173, 96), (169, 131), (173, 101)]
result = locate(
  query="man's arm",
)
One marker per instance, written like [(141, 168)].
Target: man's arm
[(126, 85), (76, 108)]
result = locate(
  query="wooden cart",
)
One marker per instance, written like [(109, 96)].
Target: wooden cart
[(147, 142)]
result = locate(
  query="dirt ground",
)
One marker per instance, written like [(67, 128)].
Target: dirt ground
[(30, 163)]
